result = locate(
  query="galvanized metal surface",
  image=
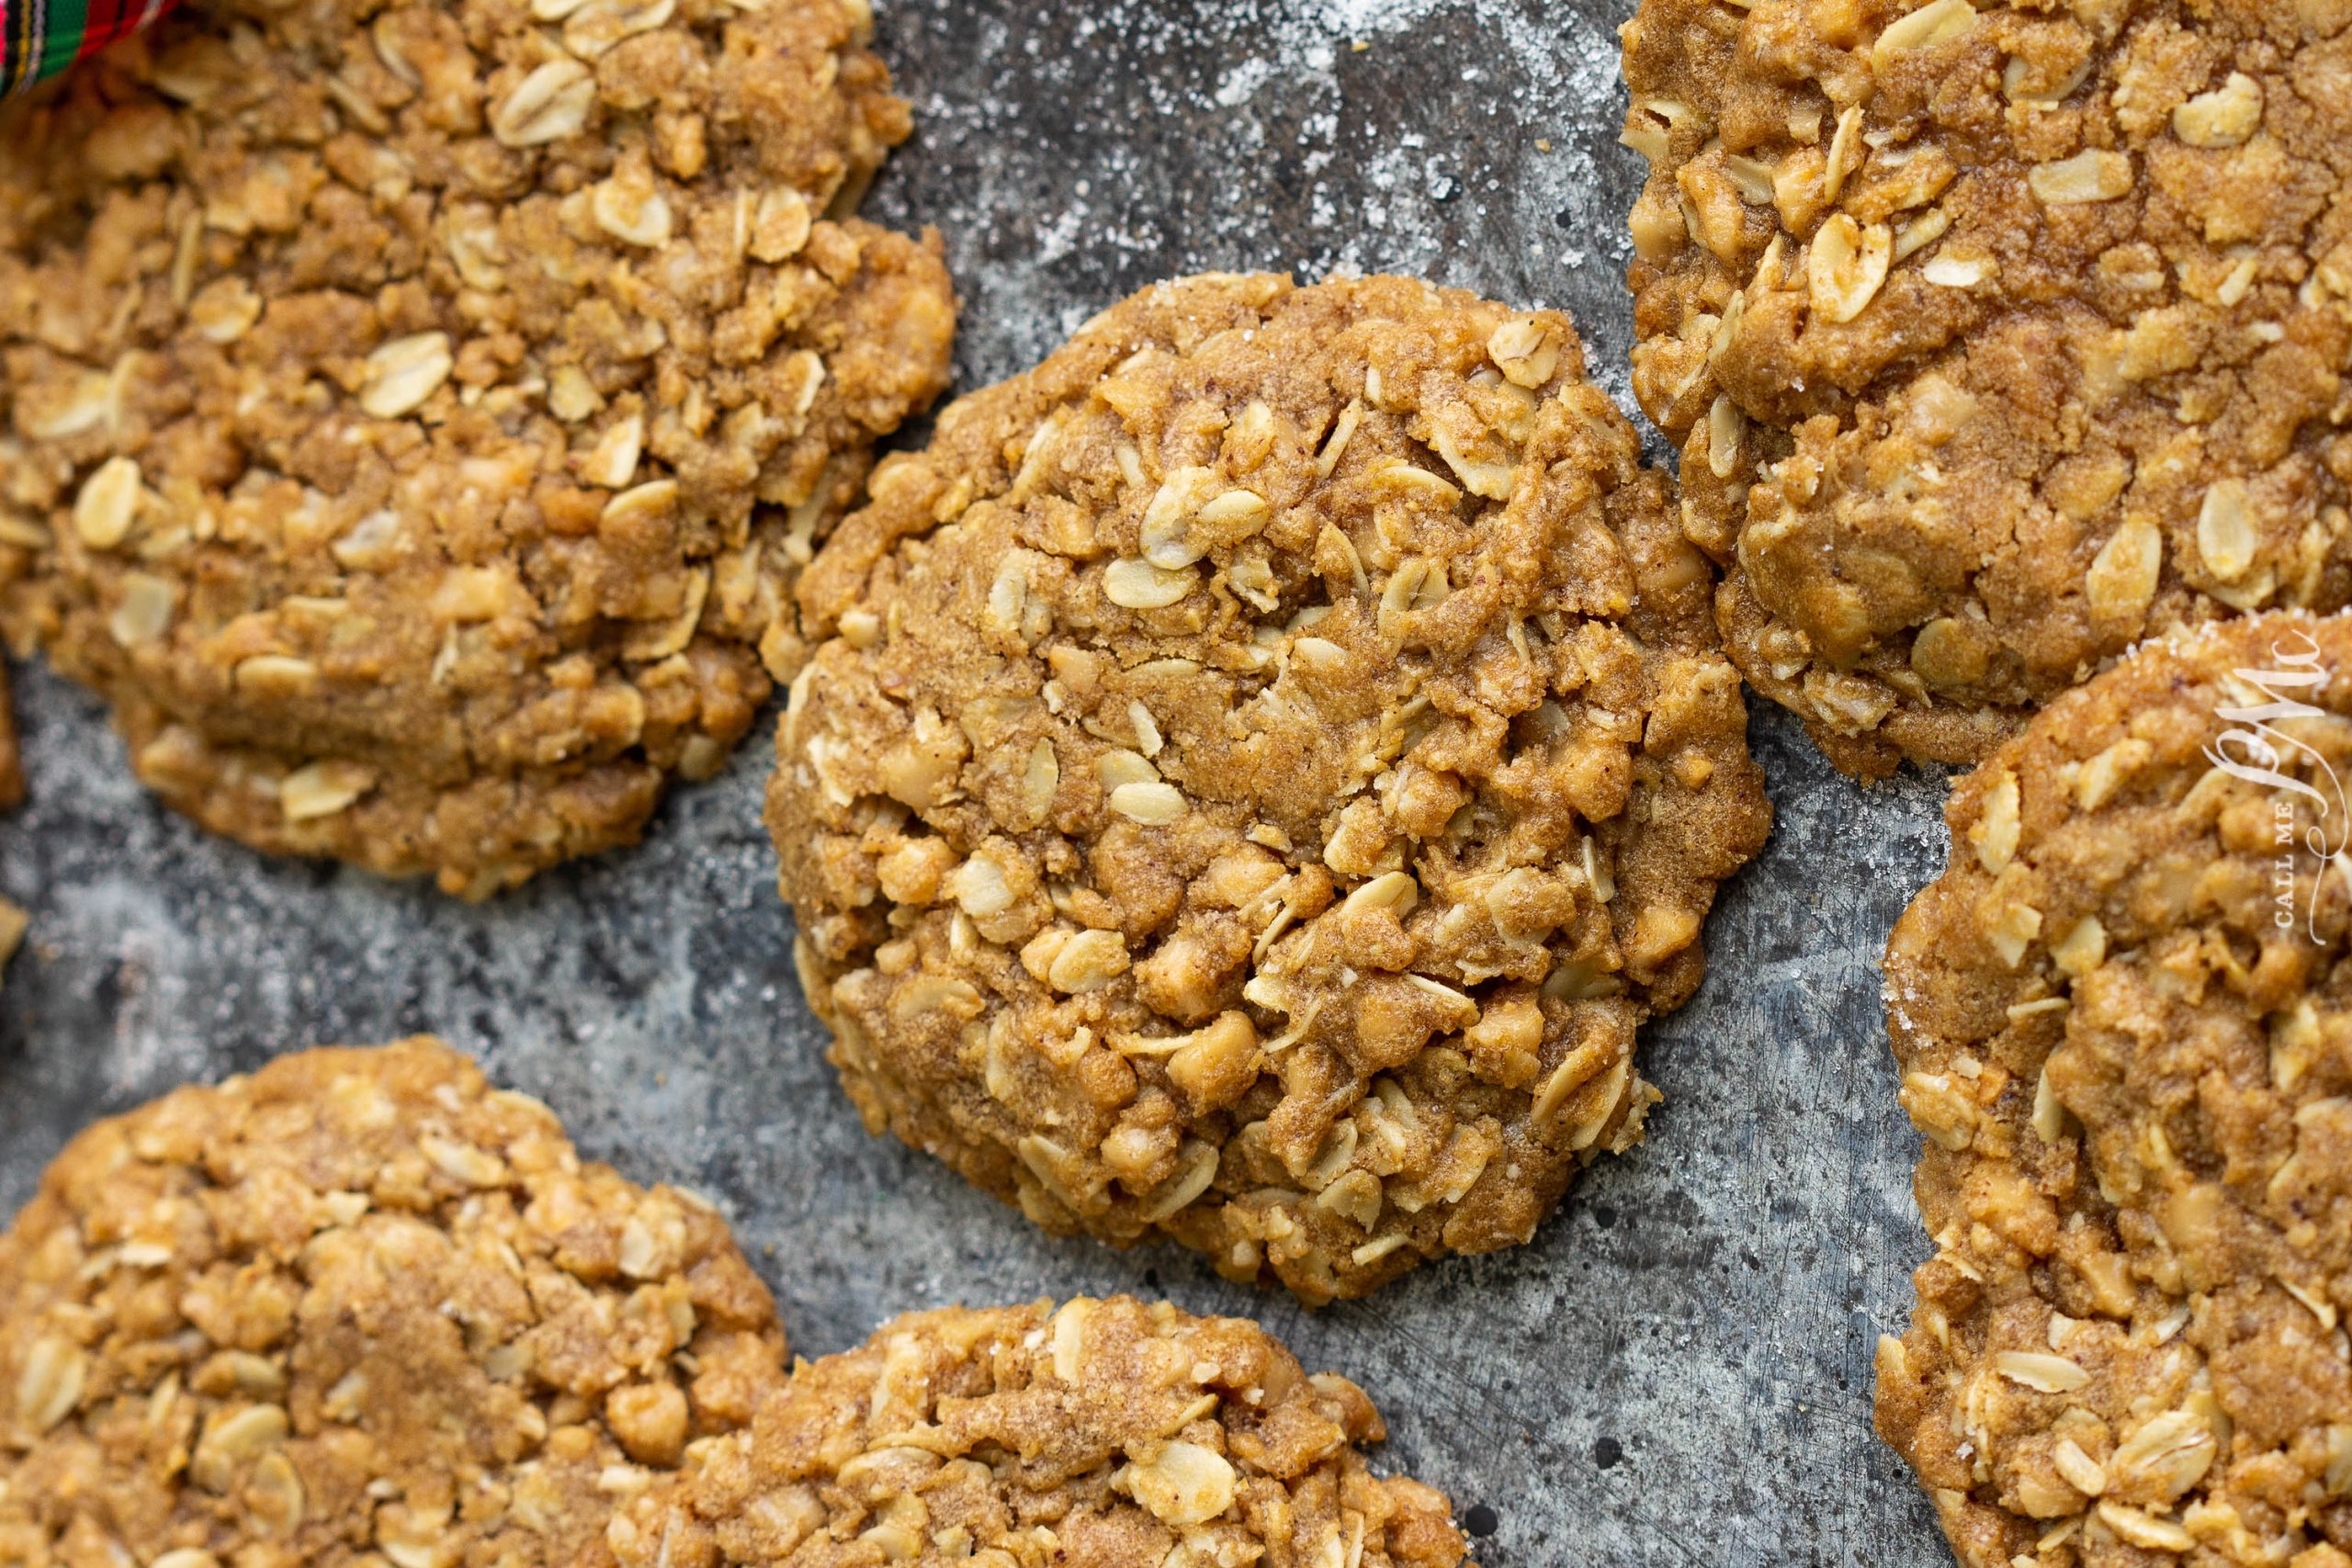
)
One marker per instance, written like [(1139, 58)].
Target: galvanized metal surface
[(1677, 1371)]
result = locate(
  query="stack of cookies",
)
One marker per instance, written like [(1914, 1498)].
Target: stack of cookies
[(1245, 782)]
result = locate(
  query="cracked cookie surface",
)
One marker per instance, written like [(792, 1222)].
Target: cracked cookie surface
[(2123, 1018), (415, 415), (1107, 1433), (356, 1308), (1995, 339), (1270, 760)]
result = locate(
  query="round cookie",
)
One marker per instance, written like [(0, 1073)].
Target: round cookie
[(1997, 338), (1104, 1432), (412, 416), (2123, 1018), (1272, 759), (356, 1308)]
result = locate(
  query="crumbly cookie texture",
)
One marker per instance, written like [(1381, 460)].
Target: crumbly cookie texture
[(359, 1308), (1997, 337), (416, 414), (2123, 1018), (1272, 758), (1101, 1433)]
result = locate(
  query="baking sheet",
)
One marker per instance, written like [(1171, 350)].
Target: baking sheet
[(1677, 1371)]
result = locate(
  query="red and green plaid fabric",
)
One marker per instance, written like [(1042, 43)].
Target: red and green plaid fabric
[(41, 37)]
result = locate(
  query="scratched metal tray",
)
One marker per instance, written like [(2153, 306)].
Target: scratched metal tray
[(1678, 1371)]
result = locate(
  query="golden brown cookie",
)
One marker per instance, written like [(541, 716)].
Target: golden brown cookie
[(2123, 1018), (415, 414), (1997, 337), (358, 1308), (1109, 1434), (1272, 758)]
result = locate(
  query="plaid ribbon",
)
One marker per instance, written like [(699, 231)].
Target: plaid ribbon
[(41, 37)]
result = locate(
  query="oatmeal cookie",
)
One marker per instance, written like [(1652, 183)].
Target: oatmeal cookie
[(1272, 758), (1997, 337), (1101, 1433), (356, 1308), (414, 415), (2123, 1019)]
